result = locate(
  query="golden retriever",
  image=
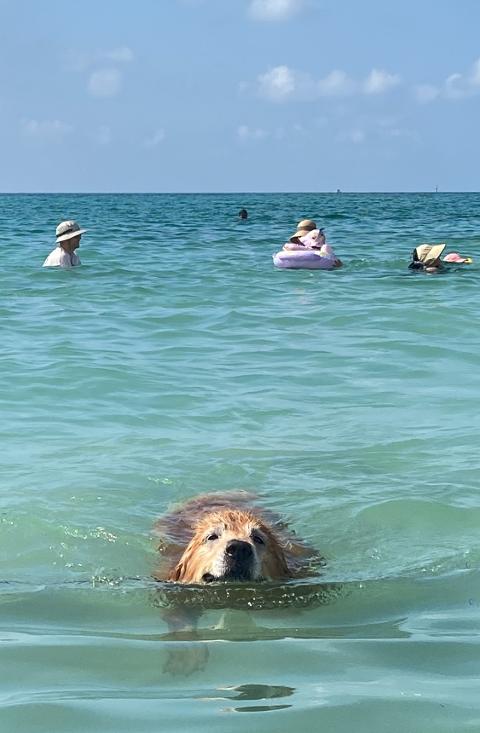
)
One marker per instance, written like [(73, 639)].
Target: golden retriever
[(223, 537), (219, 539)]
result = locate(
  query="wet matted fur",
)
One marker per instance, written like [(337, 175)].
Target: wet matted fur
[(228, 537)]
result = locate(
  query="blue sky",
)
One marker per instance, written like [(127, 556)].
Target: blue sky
[(239, 95)]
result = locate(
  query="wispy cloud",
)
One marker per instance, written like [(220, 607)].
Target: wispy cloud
[(45, 129), (368, 129), (459, 86), (105, 83), (336, 83), (379, 81), (282, 83), (455, 87), (278, 83), (274, 10), (155, 139)]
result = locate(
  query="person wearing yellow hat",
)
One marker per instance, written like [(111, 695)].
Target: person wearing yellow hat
[(307, 236), (68, 235), (294, 241), (303, 227)]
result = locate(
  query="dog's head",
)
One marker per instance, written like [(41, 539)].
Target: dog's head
[(231, 545)]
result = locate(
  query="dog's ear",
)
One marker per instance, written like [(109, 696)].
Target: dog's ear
[(274, 563), (182, 571), (177, 572)]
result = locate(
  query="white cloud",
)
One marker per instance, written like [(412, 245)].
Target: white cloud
[(459, 86), (277, 84), (336, 83), (105, 83), (281, 83), (155, 139), (274, 9), (456, 86), (379, 81), (245, 133), (47, 129), (121, 55)]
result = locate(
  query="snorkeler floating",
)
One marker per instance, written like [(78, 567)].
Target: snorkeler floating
[(427, 258)]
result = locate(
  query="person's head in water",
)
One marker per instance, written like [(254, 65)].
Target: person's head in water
[(68, 234), (243, 214)]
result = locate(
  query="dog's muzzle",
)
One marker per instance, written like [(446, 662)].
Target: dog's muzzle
[(239, 560), (238, 563)]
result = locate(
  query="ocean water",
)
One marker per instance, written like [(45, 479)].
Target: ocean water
[(176, 361)]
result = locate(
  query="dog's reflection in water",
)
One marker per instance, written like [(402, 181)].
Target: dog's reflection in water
[(222, 539)]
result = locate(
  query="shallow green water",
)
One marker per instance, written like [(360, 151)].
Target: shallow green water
[(177, 360)]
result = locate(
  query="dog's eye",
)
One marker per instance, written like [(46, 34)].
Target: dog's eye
[(213, 536), (258, 540)]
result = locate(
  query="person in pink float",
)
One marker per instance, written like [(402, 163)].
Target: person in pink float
[(68, 235), (308, 236)]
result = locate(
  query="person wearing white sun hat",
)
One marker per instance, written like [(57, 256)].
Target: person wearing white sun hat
[(68, 235)]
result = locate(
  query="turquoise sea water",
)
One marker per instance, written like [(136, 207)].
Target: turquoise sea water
[(176, 360)]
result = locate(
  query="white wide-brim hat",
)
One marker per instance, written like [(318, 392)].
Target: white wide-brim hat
[(67, 230), (428, 253)]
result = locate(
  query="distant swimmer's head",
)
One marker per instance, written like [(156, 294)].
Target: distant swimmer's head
[(243, 214), (68, 234), (307, 224)]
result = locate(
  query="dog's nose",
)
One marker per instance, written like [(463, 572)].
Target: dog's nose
[(239, 550)]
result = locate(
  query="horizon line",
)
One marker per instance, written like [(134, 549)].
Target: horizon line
[(221, 193)]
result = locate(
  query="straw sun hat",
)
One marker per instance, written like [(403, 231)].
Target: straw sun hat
[(303, 227), (307, 224), (67, 230), (299, 233)]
